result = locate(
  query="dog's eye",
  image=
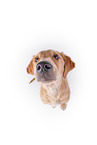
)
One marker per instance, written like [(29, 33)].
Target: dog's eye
[(56, 56), (36, 59)]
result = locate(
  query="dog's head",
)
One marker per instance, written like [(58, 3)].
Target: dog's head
[(49, 65)]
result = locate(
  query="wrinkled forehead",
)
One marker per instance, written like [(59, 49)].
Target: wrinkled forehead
[(47, 53)]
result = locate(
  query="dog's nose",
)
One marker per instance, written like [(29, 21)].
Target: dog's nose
[(43, 66)]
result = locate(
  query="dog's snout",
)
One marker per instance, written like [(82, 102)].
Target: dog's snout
[(43, 66)]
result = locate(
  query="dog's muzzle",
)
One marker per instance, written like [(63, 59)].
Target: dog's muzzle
[(43, 66), (45, 72)]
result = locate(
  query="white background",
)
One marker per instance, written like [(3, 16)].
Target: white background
[(27, 27)]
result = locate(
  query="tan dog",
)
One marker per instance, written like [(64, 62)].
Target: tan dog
[(50, 69)]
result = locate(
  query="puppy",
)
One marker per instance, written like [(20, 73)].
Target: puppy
[(50, 68)]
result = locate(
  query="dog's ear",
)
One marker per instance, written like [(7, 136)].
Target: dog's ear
[(30, 68), (69, 64)]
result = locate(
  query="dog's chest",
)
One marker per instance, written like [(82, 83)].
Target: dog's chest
[(53, 91)]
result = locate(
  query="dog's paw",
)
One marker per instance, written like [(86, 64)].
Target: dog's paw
[(63, 106)]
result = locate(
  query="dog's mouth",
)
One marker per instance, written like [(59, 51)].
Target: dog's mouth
[(46, 78)]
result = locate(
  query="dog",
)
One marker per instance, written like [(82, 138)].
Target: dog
[(50, 68)]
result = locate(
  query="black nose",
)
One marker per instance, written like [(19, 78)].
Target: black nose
[(43, 66)]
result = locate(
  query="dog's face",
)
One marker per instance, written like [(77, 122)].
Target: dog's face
[(49, 65)]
